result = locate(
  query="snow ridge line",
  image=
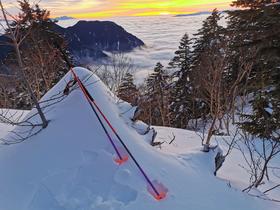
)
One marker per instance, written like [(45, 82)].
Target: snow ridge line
[(158, 195), (90, 99)]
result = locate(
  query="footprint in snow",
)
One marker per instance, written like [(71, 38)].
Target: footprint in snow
[(123, 176), (123, 194)]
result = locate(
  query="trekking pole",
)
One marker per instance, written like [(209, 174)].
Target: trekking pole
[(120, 158), (157, 195)]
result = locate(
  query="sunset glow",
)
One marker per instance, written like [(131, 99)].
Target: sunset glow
[(109, 8)]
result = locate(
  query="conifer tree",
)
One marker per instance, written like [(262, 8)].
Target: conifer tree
[(127, 90), (209, 63), (207, 37), (182, 58), (258, 27), (253, 4), (157, 97), (181, 103)]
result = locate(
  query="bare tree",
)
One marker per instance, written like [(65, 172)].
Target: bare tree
[(26, 126), (17, 39), (5, 82), (114, 69), (211, 86), (219, 95), (258, 154)]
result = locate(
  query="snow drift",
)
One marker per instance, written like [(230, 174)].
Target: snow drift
[(69, 165)]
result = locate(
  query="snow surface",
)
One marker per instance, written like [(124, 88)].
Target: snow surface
[(69, 165), (14, 116)]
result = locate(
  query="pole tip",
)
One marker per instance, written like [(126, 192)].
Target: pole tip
[(122, 160), (161, 196), (157, 190)]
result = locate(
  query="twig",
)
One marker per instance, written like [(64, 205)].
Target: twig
[(172, 140), (271, 188)]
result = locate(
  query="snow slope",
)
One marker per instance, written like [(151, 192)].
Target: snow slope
[(233, 170), (14, 116), (69, 165)]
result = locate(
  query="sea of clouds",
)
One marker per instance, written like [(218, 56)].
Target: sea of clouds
[(161, 35)]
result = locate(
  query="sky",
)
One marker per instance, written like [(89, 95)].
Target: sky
[(111, 8)]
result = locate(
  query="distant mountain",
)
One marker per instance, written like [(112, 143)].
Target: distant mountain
[(63, 18), (194, 14), (197, 14), (90, 39)]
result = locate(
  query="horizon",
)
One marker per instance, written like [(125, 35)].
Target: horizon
[(88, 9), (135, 16)]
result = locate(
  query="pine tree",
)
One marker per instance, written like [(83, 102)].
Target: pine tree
[(207, 57), (207, 37), (181, 103), (265, 120), (182, 59), (207, 49), (253, 4), (209, 63), (257, 28), (127, 90), (254, 36), (157, 97)]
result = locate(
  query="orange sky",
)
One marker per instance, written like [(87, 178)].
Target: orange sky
[(110, 8)]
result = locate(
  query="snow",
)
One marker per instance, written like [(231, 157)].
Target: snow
[(231, 171), (70, 164), (14, 116)]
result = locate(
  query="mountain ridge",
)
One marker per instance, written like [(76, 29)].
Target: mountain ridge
[(64, 18), (196, 14), (90, 39)]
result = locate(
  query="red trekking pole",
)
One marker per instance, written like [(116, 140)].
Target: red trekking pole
[(121, 159), (157, 190)]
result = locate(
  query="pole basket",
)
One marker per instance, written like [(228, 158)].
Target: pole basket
[(160, 188), (122, 157), (122, 160)]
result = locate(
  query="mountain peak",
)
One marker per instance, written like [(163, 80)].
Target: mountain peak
[(63, 18)]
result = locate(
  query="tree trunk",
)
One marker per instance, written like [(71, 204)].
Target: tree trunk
[(29, 89), (20, 63), (206, 147)]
